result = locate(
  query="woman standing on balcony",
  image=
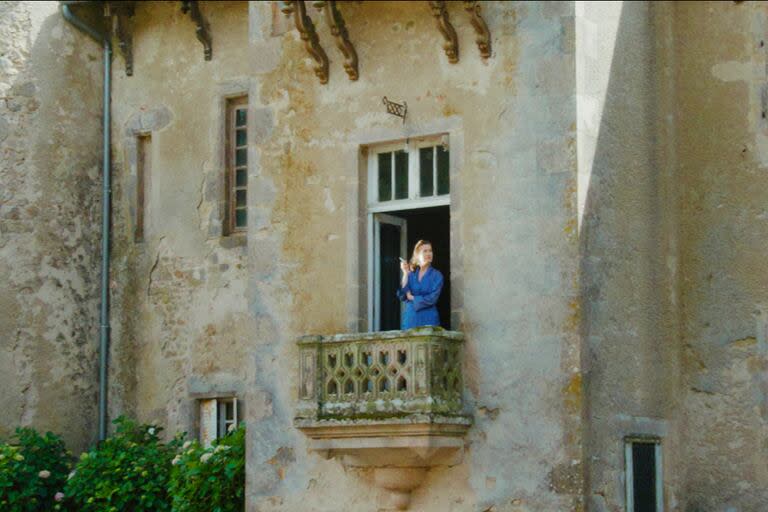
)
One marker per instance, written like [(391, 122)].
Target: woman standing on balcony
[(420, 287)]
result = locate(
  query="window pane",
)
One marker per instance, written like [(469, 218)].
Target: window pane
[(241, 178), (240, 117), (230, 411), (240, 198), (401, 175), (241, 157), (385, 176), (241, 138), (443, 186), (240, 218), (426, 183), (644, 476)]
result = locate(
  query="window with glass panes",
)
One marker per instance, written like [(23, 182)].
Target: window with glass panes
[(237, 164), (418, 172), (218, 417), (643, 474)]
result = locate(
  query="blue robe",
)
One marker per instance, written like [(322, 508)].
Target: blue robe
[(422, 310)]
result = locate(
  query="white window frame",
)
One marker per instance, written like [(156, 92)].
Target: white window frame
[(209, 418), (412, 147), (378, 219), (414, 201), (629, 471)]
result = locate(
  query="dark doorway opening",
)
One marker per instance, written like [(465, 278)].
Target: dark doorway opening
[(431, 224)]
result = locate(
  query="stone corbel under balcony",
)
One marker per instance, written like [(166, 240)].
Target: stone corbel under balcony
[(391, 401)]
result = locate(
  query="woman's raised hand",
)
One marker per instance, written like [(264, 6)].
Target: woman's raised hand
[(405, 267)]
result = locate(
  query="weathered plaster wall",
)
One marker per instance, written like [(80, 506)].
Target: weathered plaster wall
[(196, 312), (182, 322), (628, 226), (49, 222), (608, 168), (720, 50)]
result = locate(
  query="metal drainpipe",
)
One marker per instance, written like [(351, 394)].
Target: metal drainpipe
[(105, 210)]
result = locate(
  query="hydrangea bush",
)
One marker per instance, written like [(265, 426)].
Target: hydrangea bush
[(129, 471), (33, 470), (210, 479)]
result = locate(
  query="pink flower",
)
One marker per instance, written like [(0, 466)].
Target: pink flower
[(59, 496), (44, 473)]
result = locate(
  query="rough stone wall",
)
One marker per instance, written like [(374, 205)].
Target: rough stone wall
[(196, 312), (672, 152), (49, 222), (607, 215), (628, 231), (720, 50)]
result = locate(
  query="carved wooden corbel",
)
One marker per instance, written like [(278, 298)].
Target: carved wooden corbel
[(118, 14), (451, 45), (308, 34), (122, 12), (201, 27), (339, 30), (481, 29)]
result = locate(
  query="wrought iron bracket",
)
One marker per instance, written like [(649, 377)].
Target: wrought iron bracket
[(483, 39), (451, 45), (202, 31), (339, 30), (309, 35), (396, 109)]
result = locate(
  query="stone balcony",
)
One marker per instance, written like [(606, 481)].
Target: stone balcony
[(387, 400)]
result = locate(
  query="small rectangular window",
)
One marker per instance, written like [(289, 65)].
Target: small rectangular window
[(143, 161), (392, 175), (443, 183), (401, 175), (421, 170), (644, 482), (385, 176), (434, 171), (237, 165), (218, 416), (426, 172)]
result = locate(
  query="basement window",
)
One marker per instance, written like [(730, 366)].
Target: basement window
[(643, 474), (218, 417), (236, 178)]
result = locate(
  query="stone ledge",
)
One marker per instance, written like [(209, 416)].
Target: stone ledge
[(417, 332), (412, 425)]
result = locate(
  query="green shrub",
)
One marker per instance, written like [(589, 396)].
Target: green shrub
[(212, 479), (129, 471), (32, 471)]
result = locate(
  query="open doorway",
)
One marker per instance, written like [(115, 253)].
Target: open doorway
[(395, 234)]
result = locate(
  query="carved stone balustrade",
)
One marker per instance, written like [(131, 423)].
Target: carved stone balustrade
[(387, 400)]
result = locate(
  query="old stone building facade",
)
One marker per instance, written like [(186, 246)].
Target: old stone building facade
[(594, 176)]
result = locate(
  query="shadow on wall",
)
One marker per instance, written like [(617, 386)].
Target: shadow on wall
[(630, 351), (49, 219)]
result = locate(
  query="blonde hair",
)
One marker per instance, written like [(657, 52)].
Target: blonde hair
[(416, 251)]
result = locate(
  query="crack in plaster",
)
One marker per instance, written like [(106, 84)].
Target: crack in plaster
[(202, 197), (154, 266)]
